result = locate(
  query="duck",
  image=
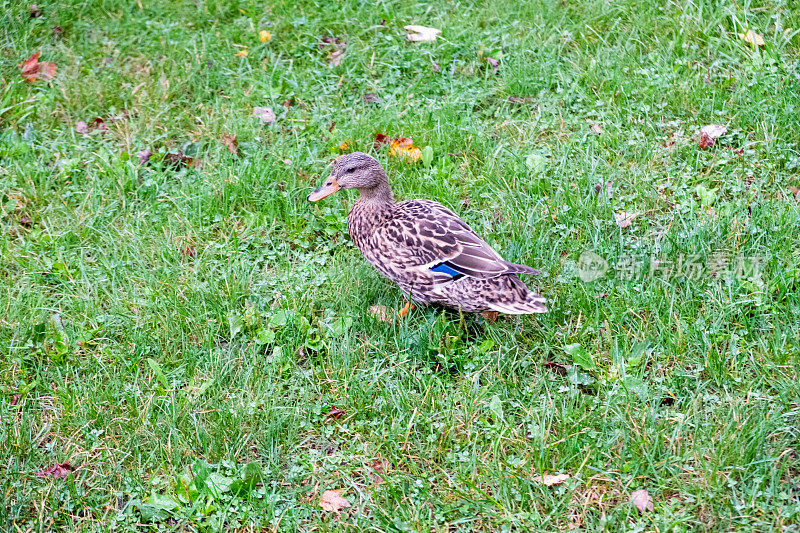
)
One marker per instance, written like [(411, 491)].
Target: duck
[(432, 255)]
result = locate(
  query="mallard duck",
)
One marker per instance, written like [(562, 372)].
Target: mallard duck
[(425, 248)]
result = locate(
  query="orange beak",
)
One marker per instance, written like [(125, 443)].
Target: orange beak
[(326, 189)]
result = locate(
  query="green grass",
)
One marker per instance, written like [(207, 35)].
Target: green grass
[(178, 335)]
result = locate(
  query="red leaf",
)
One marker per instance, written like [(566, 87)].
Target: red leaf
[(61, 470), (189, 251), (32, 69)]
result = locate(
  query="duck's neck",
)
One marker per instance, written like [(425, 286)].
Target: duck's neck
[(376, 197)]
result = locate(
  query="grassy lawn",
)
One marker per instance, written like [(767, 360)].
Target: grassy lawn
[(191, 340)]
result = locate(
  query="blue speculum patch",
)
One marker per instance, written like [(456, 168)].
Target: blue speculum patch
[(446, 267)]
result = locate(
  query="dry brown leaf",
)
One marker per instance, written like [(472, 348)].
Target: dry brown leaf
[(32, 69), (642, 500), (231, 143), (421, 33), (550, 480), (332, 501), (556, 368), (144, 156), (381, 312), (371, 98), (624, 219), (336, 414), (189, 251), (60, 470), (403, 148), (266, 114), (336, 57), (709, 134), (756, 39)]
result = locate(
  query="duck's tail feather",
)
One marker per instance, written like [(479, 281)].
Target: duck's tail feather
[(514, 268)]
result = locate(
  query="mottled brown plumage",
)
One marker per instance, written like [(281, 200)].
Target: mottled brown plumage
[(425, 248)]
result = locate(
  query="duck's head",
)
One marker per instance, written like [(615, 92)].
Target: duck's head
[(352, 171)]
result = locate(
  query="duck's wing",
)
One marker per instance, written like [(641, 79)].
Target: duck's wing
[(425, 234)]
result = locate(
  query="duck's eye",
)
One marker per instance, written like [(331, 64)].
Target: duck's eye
[(350, 170)]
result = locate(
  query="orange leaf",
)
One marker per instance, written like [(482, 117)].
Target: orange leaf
[(332, 501), (402, 147), (32, 69), (242, 53)]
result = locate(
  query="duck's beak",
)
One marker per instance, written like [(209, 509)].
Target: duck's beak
[(326, 189)]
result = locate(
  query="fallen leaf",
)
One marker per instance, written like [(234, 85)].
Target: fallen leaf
[(642, 500), (231, 143), (709, 134), (336, 57), (60, 470), (35, 11), (381, 139), (32, 69), (379, 467), (520, 99), (597, 129), (58, 31), (604, 192), (189, 251), (336, 414), (144, 156), (371, 98), (556, 368), (795, 193), (266, 114), (421, 33), (495, 63), (402, 147), (344, 146), (550, 480), (490, 316), (435, 66), (264, 35), (81, 127), (241, 53), (176, 161), (15, 399), (332, 501), (381, 312), (624, 219), (753, 38)]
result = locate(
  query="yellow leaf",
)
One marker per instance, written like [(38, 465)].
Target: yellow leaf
[(332, 501), (403, 147), (264, 35), (753, 38), (343, 146), (242, 53)]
